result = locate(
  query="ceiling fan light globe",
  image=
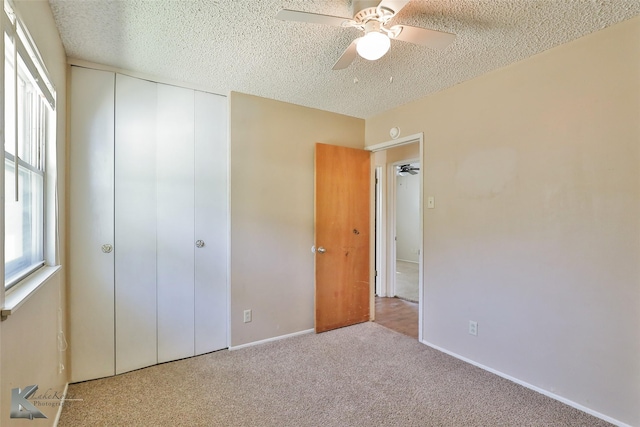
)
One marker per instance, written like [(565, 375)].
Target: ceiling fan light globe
[(373, 45)]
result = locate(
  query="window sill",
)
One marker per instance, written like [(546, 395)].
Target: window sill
[(23, 290)]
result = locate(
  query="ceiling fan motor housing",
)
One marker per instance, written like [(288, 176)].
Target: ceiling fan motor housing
[(370, 14), (372, 26), (360, 5)]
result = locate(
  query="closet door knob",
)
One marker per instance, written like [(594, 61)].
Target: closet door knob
[(199, 243), (107, 249)]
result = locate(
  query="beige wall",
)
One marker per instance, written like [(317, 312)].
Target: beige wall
[(272, 151), (400, 153), (536, 233), (29, 350)]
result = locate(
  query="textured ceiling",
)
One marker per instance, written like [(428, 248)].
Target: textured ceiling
[(238, 45)]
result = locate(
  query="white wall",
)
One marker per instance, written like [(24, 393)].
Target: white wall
[(29, 350), (536, 232), (408, 217)]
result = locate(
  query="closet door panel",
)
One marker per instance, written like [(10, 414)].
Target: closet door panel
[(211, 222), (91, 296), (135, 223), (175, 205)]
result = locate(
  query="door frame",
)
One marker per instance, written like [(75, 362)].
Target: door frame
[(385, 224), (379, 269)]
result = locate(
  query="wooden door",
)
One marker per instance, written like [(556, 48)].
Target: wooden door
[(342, 192)]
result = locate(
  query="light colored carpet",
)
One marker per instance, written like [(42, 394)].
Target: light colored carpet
[(407, 280), (363, 375)]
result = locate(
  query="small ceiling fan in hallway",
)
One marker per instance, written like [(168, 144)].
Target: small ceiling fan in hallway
[(404, 170), (372, 17)]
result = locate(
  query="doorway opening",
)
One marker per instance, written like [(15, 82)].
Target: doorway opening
[(398, 242)]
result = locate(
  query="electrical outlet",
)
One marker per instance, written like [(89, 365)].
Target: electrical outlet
[(473, 327), (247, 316)]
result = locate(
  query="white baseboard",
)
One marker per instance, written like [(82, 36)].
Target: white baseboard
[(406, 260), (278, 338), (59, 413), (530, 386)]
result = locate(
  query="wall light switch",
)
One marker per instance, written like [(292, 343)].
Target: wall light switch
[(431, 202)]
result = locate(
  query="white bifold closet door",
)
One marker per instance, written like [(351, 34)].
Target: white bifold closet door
[(135, 223), (148, 223), (91, 224), (176, 224), (211, 219), (191, 218)]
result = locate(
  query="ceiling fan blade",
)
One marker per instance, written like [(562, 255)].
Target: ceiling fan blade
[(313, 18), (422, 36), (347, 57), (395, 5)]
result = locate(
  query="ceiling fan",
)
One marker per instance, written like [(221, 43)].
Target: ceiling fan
[(373, 18), (404, 170)]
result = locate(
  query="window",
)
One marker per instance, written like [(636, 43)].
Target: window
[(29, 109)]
